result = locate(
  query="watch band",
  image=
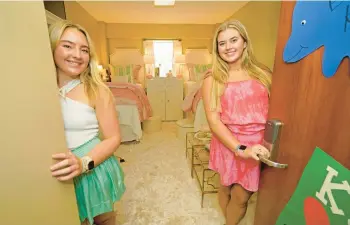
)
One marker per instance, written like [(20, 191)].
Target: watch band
[(87, 164)]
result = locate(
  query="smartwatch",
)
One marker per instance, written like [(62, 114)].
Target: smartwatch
[(91, 165), (87, 163)]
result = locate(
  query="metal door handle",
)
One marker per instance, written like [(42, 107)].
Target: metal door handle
[(272, 163), (271, 141)]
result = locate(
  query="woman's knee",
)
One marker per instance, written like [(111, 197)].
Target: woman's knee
[(239, 195), (225, 190)]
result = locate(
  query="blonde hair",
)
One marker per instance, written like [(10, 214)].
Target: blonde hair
[(90, 76), (249, 63)]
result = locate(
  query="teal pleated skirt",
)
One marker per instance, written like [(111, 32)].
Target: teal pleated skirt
[(98, 190)]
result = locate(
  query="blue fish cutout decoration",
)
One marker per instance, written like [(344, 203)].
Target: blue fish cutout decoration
[(316, 24)]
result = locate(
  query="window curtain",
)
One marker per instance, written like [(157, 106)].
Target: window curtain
[(148, 48), (179, 59), (177, 48), (148, 58)]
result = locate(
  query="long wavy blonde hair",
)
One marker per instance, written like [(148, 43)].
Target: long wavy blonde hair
[(90, 76), (220, 69)]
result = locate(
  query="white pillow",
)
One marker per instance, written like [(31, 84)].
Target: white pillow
[(120, 79)]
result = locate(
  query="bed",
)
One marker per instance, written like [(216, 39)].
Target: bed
[(129, 123), (133, 107), (198, 62), (127, 66)]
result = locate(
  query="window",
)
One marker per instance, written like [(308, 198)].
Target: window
[(163, 56)]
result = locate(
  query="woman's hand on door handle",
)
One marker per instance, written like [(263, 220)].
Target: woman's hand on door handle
[(261, 151), (254, 152)]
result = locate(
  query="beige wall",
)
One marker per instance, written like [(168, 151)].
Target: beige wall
[(102, 43), (77, 14), (31, 122), (131, 35), (261, 20)]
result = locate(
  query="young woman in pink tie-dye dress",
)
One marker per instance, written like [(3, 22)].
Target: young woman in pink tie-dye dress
[(236, 98)]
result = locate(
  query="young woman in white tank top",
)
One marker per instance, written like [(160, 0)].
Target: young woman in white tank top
[(88, 109)]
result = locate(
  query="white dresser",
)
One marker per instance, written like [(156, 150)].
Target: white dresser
[(166, 97)]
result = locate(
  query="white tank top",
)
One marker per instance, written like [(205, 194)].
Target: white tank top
[(80, 122)]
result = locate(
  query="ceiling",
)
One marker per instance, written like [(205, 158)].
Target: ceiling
[(183, 12)]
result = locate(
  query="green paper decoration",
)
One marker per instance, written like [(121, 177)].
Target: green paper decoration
[(322, 196)]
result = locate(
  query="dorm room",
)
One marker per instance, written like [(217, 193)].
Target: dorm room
[(153, 57), (158, 99), (144, 99), (154, 69)]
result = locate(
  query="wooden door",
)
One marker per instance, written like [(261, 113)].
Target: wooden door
[(173, 99), (315, 111), (31, 122)]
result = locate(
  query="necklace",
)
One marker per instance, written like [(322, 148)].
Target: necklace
[(239, 69)]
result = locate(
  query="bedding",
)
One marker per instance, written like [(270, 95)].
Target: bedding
[(129, 122), (196, 71), (127, 73), (126, 93)]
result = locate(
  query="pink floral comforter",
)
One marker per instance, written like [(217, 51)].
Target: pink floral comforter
[(126, 93), (191, 100)]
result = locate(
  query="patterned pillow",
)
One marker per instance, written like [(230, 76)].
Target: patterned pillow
[(136, 73), (124, 70), (198, 71)]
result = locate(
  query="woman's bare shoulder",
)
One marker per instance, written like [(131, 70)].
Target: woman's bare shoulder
[(207, 81), (207, 74)]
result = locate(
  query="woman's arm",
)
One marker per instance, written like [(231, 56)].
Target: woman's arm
[(70, 165), (216, 126), (106, 114)]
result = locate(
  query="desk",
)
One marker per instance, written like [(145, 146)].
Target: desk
[(207, 179)]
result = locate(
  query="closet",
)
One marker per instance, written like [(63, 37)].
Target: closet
[(166, 96)]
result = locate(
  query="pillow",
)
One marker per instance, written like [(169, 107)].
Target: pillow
[(135, 73), (124, 70), (191, 73), (196, 71), (120, 79)]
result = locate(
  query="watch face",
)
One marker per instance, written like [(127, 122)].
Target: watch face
[(91, 165), (242, 147)]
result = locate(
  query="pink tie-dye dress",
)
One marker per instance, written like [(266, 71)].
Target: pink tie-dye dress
[(244, 111)]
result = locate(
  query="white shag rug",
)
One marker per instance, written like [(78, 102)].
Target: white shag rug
[(159, 187)]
